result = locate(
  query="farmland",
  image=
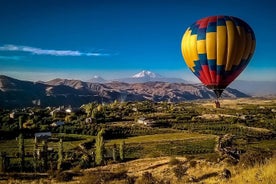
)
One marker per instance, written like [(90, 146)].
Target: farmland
[(183, 133)]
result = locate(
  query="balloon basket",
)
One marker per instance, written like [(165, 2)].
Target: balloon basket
[(217, 104)]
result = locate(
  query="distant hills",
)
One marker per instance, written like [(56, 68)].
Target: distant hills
[(17, 93), (255, 88)]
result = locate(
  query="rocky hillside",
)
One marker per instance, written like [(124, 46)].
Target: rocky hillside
[(16, 93), (164, 170)]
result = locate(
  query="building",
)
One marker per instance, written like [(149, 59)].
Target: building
[(141, 120), (147, 122), (58, 123), (42, 136)]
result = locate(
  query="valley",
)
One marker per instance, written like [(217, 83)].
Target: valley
[(141, 142)]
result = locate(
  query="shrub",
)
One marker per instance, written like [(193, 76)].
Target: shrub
[(85, 162), (64, 176), (105, 177), (226, 173), (253, 157), (147, 178), (193, 163), (173, 161), (180, 171)]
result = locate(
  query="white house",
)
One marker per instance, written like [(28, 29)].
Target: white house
[(141, 120), (59, 123), (145, 121)]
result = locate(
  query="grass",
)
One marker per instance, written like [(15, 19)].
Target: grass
[(259, 174)]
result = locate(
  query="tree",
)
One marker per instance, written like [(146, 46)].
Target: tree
[(35, 155), (21, 145), (98, 114), (45, 155), (4, 161), (89, 108), (94, 114), (99, 158), (114, 153), (122, 151), (60, 154)]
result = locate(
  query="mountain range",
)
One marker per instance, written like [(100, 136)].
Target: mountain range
[(255, 88), (16, 93)]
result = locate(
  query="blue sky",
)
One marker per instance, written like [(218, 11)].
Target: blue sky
[(46, 39)]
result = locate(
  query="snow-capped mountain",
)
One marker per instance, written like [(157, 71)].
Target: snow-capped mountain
[(97, 79), (146, 74), (141, 77)]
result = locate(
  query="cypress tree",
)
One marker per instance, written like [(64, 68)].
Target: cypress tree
[(3, 162), (45, 155), (99, 158), (35, 156), (60, 154), (122, 151), (21, 145), (114, 153)]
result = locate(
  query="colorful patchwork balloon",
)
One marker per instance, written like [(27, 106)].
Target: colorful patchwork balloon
[(217, 49)]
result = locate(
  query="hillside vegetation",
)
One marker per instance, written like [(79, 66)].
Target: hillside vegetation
[(141, 142)]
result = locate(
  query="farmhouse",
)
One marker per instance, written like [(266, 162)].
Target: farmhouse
[(62, 111), (56, 124), (147, 122), (141, 120)]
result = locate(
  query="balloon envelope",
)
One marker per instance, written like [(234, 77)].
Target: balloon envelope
[(217, 49)]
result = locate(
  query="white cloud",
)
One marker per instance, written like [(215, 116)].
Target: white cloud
[(51, 52)]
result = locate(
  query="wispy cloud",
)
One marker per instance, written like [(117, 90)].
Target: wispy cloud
[(10, 58), (51, 52)]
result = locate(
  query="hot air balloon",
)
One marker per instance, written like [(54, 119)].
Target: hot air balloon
[(217, 49)]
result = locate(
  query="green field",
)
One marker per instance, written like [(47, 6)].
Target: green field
[(161, 138), (167, 144), (70, 141)]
